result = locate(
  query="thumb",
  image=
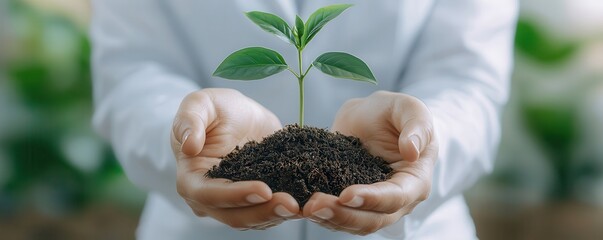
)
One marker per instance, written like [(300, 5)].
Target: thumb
[(189, 131), (416, 134), (190, 125)]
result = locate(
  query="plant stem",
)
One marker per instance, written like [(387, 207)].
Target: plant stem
[(300, 80), (295, 74), (307, 70)]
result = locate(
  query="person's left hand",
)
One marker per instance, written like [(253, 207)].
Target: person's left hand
[(399, 128)]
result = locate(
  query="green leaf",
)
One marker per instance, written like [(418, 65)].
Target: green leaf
[(344, 65), (319, 18), (299, 30), (272, 24), (251, 64)]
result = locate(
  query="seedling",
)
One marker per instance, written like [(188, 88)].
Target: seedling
[(256, 63)]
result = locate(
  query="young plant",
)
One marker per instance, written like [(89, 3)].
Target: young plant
[(255, 63)]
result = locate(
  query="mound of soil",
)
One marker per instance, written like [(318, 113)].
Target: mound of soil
[(301, 161)]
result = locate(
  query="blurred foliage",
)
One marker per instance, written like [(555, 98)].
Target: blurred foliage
[(554, 126), (49, 70), (534, 42)]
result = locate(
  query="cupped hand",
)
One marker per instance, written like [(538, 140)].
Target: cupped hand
[(209, 124), (399, 128)]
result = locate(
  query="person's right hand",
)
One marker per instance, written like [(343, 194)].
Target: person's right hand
[(209, 124)]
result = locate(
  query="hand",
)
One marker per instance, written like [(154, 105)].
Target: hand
[(399, 128), (208, 125)]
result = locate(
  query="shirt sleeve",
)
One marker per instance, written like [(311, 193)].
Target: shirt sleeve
[(460, 67), (141, 73)]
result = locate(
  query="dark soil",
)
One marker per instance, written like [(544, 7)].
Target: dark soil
[(301, 161)]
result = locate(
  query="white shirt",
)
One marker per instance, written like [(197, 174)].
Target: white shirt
[(455, 55)]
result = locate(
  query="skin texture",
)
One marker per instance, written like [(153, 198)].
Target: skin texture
[(388, 124), (398, 127), (209, 124)]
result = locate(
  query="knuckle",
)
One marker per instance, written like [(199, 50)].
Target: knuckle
[(414, 102), (212, 93), (381, 93), (351, 102), (229, 91), (196, 95)]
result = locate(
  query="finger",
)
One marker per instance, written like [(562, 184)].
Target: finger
[(259, 215), (223, 193), (415, 135), (326, 211), (195, 114), (384, 197), (189, 131)]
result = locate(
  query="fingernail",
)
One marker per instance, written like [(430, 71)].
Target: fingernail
[(282, 211), (325, 213), (254, 198), (185, 136), (357, 201), (416, 143)]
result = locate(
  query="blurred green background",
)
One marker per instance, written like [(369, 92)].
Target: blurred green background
[(59, 180)]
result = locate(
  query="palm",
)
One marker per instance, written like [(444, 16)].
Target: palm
[(376, 131), (235, 122), (234, 131), (378, 138), (228, 134)]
